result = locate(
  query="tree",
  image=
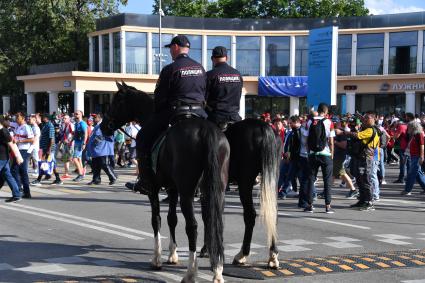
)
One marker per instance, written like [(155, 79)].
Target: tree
[(44, 32), (262, 8)]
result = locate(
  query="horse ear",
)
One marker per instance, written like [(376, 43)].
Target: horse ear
[(120, 87), (124, 84)]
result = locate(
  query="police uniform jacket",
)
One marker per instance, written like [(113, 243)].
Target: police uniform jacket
[(182, 82), (224, 90)]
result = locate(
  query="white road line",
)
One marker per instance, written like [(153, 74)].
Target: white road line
[(338, 223), (138, 232), (313, 219), (49, 268), (207, 277), (413, 281), (125, 235), (47, 191)]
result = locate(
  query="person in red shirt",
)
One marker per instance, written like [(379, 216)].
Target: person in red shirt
[(415, 148), (402, 136)]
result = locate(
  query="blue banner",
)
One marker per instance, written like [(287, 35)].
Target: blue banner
[(282, 86), (322, 66)]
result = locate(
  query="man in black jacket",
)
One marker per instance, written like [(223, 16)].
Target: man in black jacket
[(224, 90), (181, 84)]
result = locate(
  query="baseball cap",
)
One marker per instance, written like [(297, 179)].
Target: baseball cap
[(219, 51), (180, 40)]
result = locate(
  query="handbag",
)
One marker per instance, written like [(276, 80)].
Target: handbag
[(45, 167)]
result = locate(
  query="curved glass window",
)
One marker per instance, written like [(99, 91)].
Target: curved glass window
[(344, 55), (277, 55), (403, 52), (105, 53), (95, 53), (248, 55), (166, 56), (116, 53), (135, 52), (370, 54), (301, 55), (217, 40), (195, 51)]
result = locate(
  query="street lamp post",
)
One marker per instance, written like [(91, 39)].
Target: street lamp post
[(161, 14)]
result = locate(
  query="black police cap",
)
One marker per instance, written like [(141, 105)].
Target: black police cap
[(219, 51), (180, 40)]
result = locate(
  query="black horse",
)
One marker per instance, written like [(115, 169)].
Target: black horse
[(194, 153), (254, 149)]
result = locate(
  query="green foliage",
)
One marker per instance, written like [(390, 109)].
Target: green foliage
[(44, 32), (262, 9)]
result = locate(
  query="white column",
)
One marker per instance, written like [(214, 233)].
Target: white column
[(122, 47), (410, 101), (111, 52), (292, 56), (242, 104), (91, 59), (386, 52), (262, 56), (294, 106), (350, 101), (233, 55), (204, 52), (100, 54), (79, 100), (150, 55), (6, 104), (354, 54), (53, 101), (419, 56), (30, 103)]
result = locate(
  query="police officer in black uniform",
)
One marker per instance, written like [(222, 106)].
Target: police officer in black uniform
[(181, 87), (224, 90)]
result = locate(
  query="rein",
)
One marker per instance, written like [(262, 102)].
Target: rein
[(125, 133)]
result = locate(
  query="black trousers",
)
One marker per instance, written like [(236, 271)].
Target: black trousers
[(361, 170), (326, 163), (99, 163)]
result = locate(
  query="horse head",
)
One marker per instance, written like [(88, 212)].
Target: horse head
[(128, 104)]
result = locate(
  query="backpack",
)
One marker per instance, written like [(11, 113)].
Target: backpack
[(317, 139), (356, 147)]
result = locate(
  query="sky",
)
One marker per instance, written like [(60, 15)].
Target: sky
[(375, 7)]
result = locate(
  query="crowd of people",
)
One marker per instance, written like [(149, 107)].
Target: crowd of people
[(353, 148), (33, 144)]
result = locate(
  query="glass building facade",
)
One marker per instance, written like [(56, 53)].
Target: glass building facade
[(403, 52), (95, 51), (301, 55), (105, 53), (136, 52), (195, 47), (370, 54), (166, 56), (248, 55), (116, 53), (344, 54), (277, 55)]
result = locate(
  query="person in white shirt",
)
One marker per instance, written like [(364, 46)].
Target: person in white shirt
[(132, 129), (23, 137), (35, 144)]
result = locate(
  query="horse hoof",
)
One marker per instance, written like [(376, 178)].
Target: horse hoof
[(238, 263), (204, 253), (218, 280), (190, 279), (273, 264)]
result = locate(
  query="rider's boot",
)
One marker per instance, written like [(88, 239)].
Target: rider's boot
[(145, 183)]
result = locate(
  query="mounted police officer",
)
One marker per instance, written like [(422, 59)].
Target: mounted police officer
[(224, 90), (180, 88)]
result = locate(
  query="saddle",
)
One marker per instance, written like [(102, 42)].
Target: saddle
[(180, 113)]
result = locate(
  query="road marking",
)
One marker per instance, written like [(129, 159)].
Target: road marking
[(76, 192), (47, 191), (398, 263), (361, 266), (207, 277), (414, 281), (286, 272), (5, 266), (125, 235), (345, 267), (50, 268), (138, 232), (325, 269), (66, 260)]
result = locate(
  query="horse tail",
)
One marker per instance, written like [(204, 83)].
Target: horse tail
[(213, 185), (270, 156)]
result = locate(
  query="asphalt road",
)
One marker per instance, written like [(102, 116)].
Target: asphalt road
[(76, 232)]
